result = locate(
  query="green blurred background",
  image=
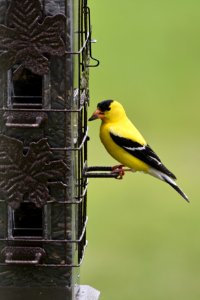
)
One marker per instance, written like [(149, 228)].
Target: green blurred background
[(144, 239)]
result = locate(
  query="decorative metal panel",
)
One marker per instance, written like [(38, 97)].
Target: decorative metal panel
[(27, 38), (45, 55)]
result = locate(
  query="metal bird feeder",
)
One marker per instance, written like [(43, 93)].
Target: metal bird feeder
[(45, 55)]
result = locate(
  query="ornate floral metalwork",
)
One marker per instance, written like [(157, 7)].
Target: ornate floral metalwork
[(27, 176), (28, 39)]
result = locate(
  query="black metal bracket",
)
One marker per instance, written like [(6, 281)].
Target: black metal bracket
[(100, 172), (97, 62)]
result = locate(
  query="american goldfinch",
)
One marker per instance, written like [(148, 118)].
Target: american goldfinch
[(124, 143)]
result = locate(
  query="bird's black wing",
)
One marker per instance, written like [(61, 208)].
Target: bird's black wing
[(142, 152)]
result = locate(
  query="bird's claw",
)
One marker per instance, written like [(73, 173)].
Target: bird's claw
[(119, 170)]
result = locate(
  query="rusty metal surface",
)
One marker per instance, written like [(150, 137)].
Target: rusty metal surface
[(28, 38), (39, 293), (45, 55), (28, 174)]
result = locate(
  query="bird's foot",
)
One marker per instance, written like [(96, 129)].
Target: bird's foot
[(119, 170)]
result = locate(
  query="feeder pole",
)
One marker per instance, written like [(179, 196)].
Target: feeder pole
[(45, 56)]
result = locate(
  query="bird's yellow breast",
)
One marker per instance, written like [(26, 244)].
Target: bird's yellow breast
[(116, 151)]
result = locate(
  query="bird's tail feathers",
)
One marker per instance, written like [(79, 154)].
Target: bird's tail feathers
[(168, 180)]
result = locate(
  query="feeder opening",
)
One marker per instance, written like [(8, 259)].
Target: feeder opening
[(27, 88), (27, 221)]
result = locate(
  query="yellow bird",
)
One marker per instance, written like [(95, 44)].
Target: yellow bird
[(126, 144)]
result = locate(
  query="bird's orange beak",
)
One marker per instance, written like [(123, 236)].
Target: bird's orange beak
[(96, 115)]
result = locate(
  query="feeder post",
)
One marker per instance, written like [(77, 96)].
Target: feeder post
[(45, 55)]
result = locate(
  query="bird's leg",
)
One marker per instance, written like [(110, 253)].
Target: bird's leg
[(120, 170)]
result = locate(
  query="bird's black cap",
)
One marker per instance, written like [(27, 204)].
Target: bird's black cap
[(104, 105)]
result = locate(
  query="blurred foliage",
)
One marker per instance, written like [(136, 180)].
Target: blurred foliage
[(144, 239)]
